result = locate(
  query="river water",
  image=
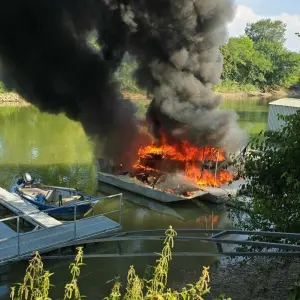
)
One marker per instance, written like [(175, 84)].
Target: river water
[(56, 150)]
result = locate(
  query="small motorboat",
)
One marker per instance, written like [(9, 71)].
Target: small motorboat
[(60, 202)]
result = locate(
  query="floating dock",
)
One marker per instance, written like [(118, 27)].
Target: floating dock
[(50, 234), (217, 195), (31, 214)]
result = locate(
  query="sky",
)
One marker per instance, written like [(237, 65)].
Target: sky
[(287, 11)]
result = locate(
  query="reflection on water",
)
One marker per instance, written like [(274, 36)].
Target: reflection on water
[(52, 148), (252, 112), (57, 151)]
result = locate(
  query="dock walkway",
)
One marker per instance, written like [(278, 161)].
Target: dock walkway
[(31, 214), (51, 234), (48, 239)]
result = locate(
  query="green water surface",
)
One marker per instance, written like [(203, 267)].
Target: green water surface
[(56, 150)]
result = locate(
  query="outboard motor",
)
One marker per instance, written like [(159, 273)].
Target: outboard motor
[(26, 179)]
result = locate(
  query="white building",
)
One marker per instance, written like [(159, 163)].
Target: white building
[(286, 106)]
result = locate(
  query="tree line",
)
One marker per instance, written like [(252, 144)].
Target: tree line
[(256, 60), (260, 58)]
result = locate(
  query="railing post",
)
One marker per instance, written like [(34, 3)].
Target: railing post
[(18, 231), (121, 209), (75, 217)]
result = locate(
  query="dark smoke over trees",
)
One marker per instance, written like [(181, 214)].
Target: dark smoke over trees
[(44, 49)]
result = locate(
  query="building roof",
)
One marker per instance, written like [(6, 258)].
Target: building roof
[(290, 102)]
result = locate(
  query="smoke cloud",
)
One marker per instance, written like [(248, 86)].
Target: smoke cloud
[(177, 46), (44, 49)]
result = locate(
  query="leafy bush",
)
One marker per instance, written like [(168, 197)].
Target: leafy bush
[(260, 58), (273, 178), (36, 284), (125, 76)]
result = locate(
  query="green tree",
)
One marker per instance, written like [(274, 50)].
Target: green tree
[(243, 63), (285, 64), (124, 75), (266, 30), (273, 175)]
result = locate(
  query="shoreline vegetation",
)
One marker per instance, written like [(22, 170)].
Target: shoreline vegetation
[(37, 281), (14, 99)]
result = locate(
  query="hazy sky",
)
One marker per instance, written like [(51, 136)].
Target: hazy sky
[(287, 11)]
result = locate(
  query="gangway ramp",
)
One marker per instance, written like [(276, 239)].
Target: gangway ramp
[(31, 214), (48, 239), (52, 234)]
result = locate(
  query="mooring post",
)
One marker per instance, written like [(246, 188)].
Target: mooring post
[(119, 247), (18, 231), (219, 245), (121, 209), (216, 168), (212, 220), (75, 213)]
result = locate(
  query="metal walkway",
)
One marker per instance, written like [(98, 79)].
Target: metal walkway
[(31, 214), (16, 245), (218, 237), (48, 239)]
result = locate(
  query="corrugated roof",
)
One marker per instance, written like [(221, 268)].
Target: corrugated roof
[(290, 102)]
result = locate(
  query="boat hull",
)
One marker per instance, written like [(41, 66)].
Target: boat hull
[(63, 212)]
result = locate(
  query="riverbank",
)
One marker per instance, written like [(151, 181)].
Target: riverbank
[(142, 98), (12, 99), (256, 278), (283, 93)]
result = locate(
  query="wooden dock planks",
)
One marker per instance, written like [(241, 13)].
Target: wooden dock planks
[(20, 207), (51, 238)]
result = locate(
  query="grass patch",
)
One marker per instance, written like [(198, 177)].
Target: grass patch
[(228, 86)]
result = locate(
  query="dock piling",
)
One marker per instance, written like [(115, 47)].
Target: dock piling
[(18, 232), (75, 213), (121, 209)]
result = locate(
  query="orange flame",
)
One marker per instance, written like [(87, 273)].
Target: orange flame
[(193, 159)]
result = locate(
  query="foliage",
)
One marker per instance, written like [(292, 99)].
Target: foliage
[(36, 283), (243, 63), (125, 75), (2, 88), (72, 289), (260, 58), (273, 174), (257, 60), (93, 42), (230, 86), (285, 65), (266, 30), (295, 292)]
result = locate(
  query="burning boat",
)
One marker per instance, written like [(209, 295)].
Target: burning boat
[(169, 172)]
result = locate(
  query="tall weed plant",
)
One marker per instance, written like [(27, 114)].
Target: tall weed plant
[(36, 284)]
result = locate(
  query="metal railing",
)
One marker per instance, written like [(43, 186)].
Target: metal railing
[(219, 237), (46, 226)]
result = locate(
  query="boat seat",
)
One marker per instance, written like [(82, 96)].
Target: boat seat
[(53, 196), (32, 191)]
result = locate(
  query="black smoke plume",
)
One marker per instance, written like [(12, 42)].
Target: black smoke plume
[(44, 49), (177, 44)]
